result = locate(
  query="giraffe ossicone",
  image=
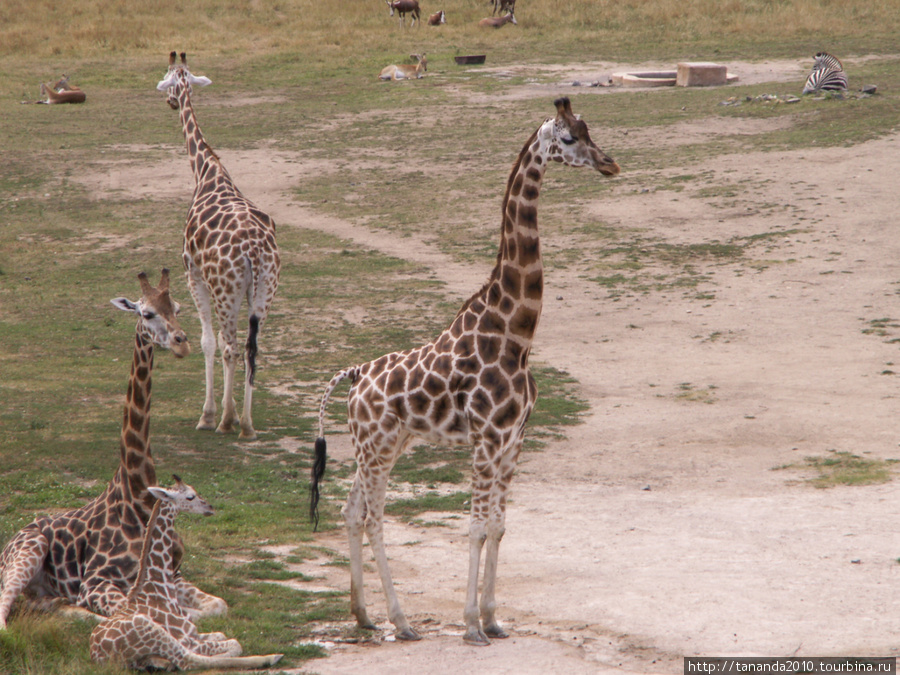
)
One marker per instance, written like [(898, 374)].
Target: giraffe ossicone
[(88, 557), (469, 386), (229, 254), (149, 628)]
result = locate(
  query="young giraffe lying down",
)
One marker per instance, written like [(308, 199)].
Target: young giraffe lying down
[(150, 630)]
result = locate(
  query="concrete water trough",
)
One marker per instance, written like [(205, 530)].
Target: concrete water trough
[(688, 74)]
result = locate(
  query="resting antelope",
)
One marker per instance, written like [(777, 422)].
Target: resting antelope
[(437, 19), (406, 71), (501, 6), (498, 21), (61, 92), (404, 6)]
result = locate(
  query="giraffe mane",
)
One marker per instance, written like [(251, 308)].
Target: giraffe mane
[(496, 271), (145, 550)]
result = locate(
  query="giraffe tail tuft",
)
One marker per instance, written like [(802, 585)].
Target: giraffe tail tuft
[(318, 470), (252, 348)]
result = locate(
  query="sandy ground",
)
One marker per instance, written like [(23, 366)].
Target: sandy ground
[(659, 528)]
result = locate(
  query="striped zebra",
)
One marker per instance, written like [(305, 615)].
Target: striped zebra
[(824, 60), (826, 79)]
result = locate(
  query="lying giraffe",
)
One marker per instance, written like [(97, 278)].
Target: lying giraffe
[(469, 386), (149, 629), (88, 557), (229, 254)]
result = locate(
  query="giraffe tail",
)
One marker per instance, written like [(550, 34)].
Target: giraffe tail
[(252, 348), (318, 468)]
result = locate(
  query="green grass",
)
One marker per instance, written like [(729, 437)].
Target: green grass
[(428, 159), (840, 467)]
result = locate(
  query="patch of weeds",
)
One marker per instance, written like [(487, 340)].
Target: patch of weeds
[(430, 501), (840, 467), (687, 392), (880, 327)]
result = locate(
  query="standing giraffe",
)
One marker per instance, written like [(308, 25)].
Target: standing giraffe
[(149, 629), (469, 386), (229, 254), (89, 556)]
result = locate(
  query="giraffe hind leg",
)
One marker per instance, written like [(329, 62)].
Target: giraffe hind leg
[(354, 513), (20, 564), (374, 493)]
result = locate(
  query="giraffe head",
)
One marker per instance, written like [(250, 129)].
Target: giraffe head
[(178, 79), (567, 140), (183, 497), (157, 315)]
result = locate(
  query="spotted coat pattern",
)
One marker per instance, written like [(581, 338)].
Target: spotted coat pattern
[(229, 254), (469, 386), (149, 629), (89, 556)]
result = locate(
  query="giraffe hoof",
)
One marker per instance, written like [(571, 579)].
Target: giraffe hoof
[(476, 638), (407, 635), (247, 435), (495, 631), (205, 426)]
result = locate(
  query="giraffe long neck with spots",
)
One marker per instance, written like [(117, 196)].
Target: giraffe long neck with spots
[(136, 468), (207, 169), (516, 284)]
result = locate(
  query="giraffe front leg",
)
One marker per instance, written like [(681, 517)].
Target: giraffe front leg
[(201, 298), (495, 530), (195, 602), (20, 563), (477, 535)]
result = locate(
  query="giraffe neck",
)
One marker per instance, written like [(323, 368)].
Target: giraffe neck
[(156, 552), (204, 162), (515, 288), (136, 469)]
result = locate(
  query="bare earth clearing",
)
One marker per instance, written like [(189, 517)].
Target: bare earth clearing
[(658, 528)]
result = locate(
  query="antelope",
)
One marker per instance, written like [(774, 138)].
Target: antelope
[(404, 6), (437, 19), (406, 71), (498, 21), (503, 5), (61, 92)]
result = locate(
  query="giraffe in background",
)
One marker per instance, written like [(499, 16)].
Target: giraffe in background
[(469, 386), (149, 629), (229, 254), (89, 556)]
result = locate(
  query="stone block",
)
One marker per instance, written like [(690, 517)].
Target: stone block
[(700, 74)]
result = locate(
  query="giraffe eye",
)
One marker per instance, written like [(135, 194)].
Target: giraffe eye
[(191, 498), (568, 140), (149, 315)]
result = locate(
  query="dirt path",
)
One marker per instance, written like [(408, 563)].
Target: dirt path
[(659, 528)]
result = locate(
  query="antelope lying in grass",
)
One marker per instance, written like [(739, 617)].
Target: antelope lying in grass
[(403, 7), (501, 6), (437, 19), (406, 71), (497, 22), (61, 92)]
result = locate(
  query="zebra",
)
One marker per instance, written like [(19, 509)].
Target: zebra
[(824, 60), (826, 79)]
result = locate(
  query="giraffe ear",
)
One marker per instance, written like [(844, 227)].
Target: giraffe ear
[(158, 492), (124, 304), (198, 80)]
